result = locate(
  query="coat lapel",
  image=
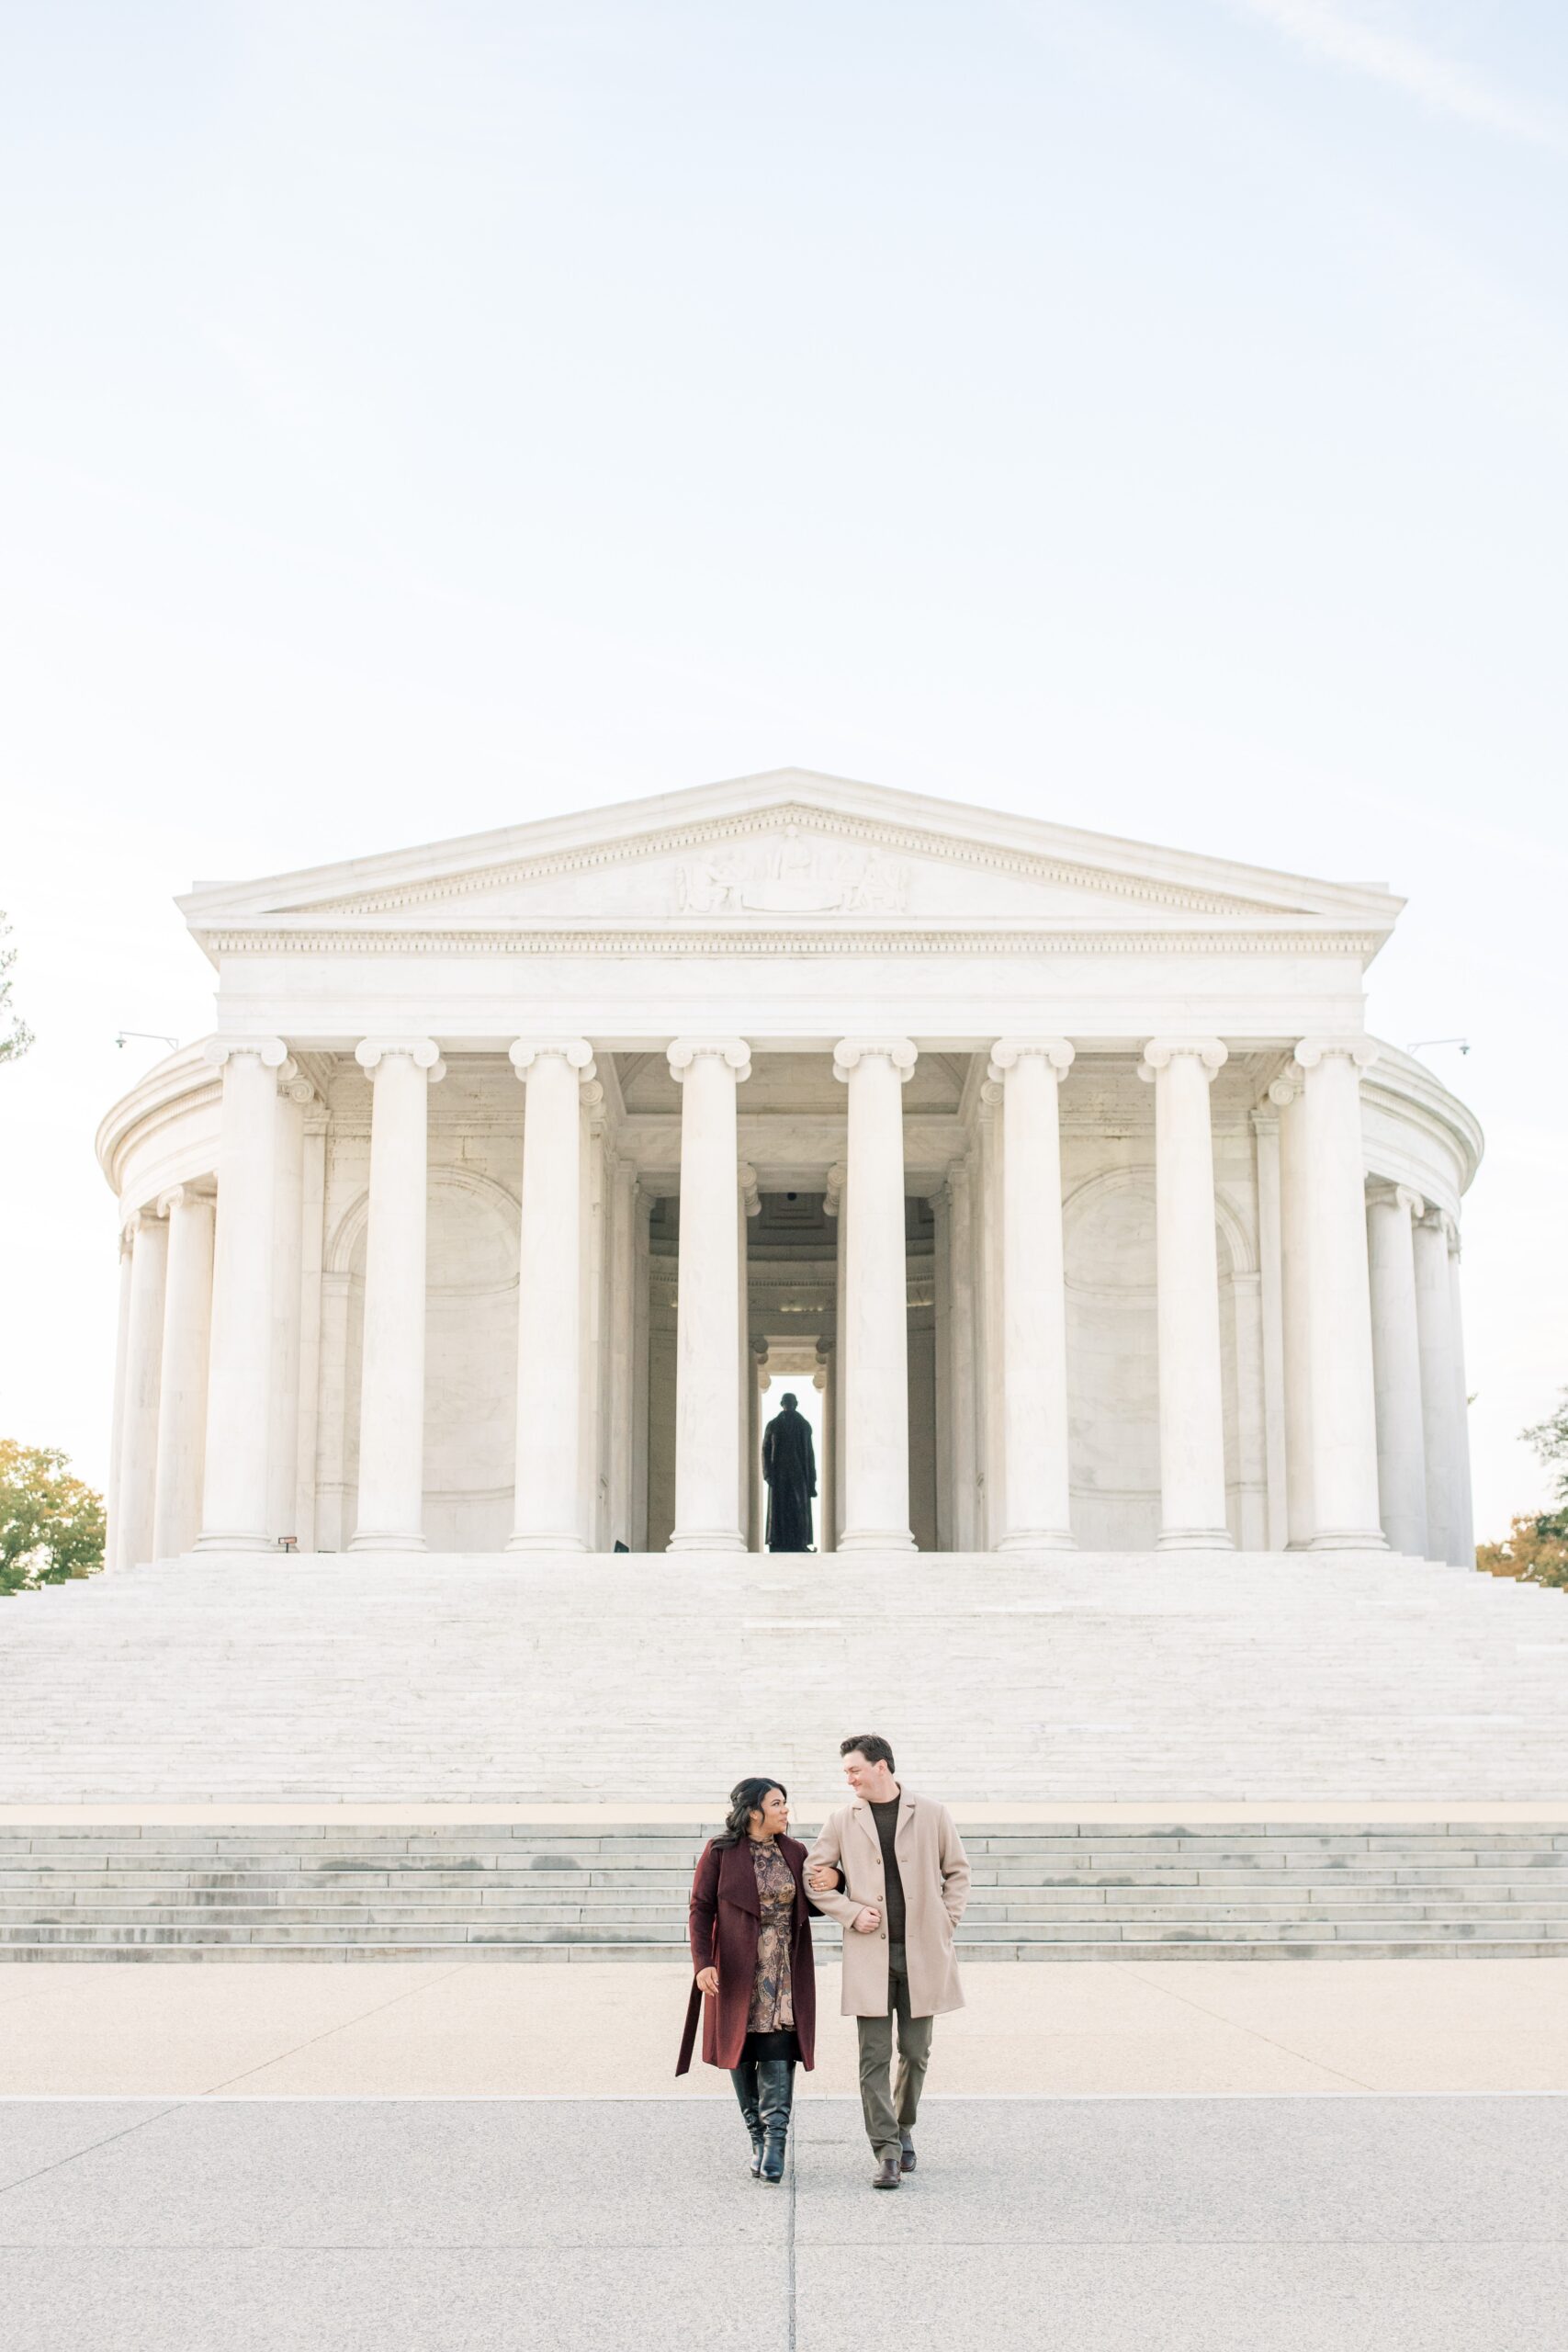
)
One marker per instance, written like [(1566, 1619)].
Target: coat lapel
[(904, 1830), (738, 1880)]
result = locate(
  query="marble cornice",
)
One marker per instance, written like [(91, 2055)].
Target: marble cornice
[(826, 937)]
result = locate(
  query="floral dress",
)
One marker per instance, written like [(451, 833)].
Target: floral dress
[(773, 1997)]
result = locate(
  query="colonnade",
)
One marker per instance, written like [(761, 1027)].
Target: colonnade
[(1369, 1358)]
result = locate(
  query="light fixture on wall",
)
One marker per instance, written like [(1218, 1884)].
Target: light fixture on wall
[(154, 1037), (1423, 1043)]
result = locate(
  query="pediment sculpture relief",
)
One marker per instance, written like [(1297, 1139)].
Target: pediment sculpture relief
[(792, 874)]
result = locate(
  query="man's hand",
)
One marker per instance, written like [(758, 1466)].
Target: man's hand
[(823, 1879), (866, 1922), (707, 1980)]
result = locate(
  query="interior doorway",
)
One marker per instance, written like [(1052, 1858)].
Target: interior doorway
[(812, 1402)]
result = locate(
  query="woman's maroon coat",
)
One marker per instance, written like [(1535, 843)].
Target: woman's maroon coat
[(724, 1924)]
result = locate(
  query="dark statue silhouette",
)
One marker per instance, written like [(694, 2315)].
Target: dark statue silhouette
[(789, 1465)]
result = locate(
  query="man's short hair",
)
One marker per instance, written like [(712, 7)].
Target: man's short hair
[(871, 1746)]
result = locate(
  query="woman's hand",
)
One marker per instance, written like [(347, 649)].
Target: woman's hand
[(867, 1921), (707, 1982), (823, 1879)]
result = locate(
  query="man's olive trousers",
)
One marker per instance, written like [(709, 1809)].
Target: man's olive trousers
[(891, 2108)]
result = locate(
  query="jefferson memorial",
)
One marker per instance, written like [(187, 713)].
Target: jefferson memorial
[(1062, 1167)]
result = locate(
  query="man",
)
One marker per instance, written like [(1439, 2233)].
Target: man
[(906, 1881), (789, 1465)]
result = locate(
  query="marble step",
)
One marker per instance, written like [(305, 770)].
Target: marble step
[(84, 1890), (1073, 1679)]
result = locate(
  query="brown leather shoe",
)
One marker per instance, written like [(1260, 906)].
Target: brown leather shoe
[(907, 2154), (886, 2174)]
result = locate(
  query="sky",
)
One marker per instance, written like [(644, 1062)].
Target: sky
[(1143, 415)]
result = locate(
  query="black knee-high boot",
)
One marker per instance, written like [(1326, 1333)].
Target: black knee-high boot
[(775, 2097), (744, 2078)]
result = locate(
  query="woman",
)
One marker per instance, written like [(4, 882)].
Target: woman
[(750, 1933)]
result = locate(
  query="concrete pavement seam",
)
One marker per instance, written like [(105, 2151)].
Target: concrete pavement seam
[(342, 2025), (107, 2140), (1284, 2047)]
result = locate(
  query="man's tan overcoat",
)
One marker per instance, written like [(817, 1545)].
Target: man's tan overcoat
[(934, 1870)]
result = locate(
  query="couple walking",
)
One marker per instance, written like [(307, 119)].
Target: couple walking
[(891, 1867)]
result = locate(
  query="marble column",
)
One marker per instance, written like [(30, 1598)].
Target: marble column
[(1192, 1400), (1271, 1312), (1396, 1366), (312, 1304), (548, 1510), (1339, 1323), (991, 1434), (391, 1381), (113, 1557), (294, 1092), (1251, 1454), (622, 1174), (642, 1215), (709, 1513), (143, 1362), (749, 1203), (833, 1207), (1295, 1299), (1462, 1550), (825, 1382), (942, 1221), (239, 1379), (1036, 1507), (182, 1399), (1439, 1417), (873, 1332), (961, 1260)]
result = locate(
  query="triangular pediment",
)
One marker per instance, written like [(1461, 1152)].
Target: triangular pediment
[(785, 848)]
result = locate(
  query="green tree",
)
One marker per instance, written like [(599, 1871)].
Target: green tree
[(51, 1525), (15, 1036), (1550, 1439)]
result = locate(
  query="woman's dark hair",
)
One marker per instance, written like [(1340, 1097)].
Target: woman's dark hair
[(745, 1798)]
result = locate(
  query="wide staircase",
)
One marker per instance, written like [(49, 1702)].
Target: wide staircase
[(1085, 1891), (1075, 1679)]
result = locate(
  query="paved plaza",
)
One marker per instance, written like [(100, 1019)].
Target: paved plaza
[(1198, 2225), (476, 2028)]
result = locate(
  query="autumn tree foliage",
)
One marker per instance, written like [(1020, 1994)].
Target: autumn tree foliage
[(1536, 1546), (51, 1524)]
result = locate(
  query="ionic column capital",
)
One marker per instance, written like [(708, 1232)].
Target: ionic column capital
[(956, 1181), (1284, 1091), (1160, 1052), (271, 1052), (1437, 1220), (734, 1052), (373, 1053), (1396, 1196), (525, 1054), (849, 1052), (1008, 1052), (180, 1196), (1358, 1051)]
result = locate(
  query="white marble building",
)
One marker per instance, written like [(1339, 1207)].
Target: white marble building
[(1063, 1165)]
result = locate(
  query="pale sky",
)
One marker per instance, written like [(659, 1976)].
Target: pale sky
[(1144, 415)]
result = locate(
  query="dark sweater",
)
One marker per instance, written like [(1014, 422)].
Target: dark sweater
[(887, 1819)]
